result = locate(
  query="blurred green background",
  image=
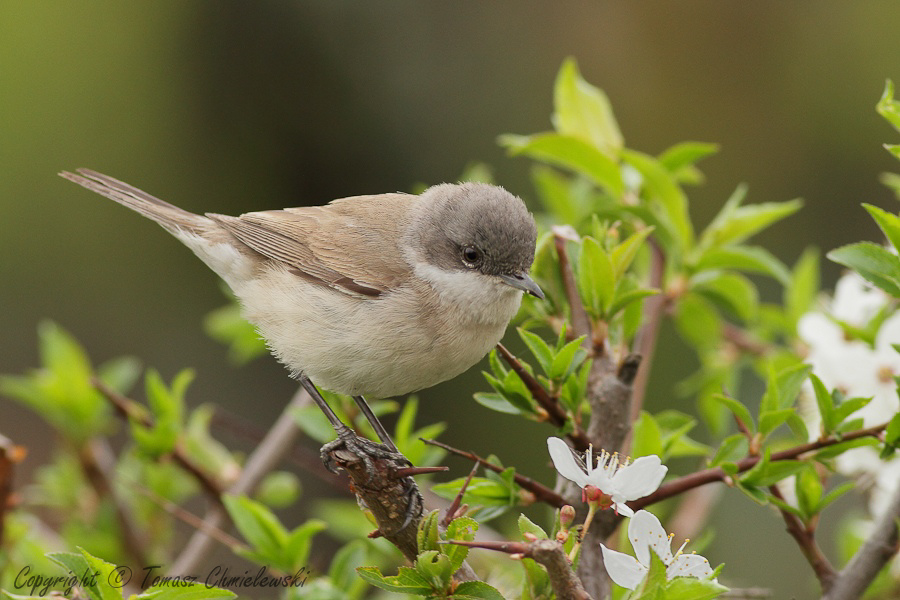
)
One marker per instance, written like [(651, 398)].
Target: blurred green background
[(234, 106)]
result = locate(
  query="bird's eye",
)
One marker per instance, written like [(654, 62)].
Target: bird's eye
[(471, 256)]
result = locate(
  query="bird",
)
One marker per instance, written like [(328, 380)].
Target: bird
[(377, 295)]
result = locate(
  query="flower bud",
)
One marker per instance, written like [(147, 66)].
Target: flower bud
[(566, 517)]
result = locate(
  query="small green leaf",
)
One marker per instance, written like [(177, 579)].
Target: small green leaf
[(808, 486), (825, 403), (731, 290), (647, 436), (262, 529), (692, 588), (569, 152), (738, 409), (595, 277), (697, 321), (428, 536), (583, 110), (526, 525), (461, 529), (623, 254), (887, 107), (752, 259), (889, 224), (476, 590), (732, 448), (735, 223), (568, 359), (497, 402), (407, 581), (539, 349), (661, 187), (873, 262), (680, 159)]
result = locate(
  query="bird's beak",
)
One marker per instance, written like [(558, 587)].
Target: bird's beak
[(521, 281)]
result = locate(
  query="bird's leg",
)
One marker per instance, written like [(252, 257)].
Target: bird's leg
[(347, 438), (383, 435)]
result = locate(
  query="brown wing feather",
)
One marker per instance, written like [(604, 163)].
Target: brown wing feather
[(351, 244)]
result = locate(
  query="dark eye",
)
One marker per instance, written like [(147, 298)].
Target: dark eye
[(471, 256)]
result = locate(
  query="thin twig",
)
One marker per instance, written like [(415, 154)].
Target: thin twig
[(556, 414), (457, 501), (548, 553), (264, 458), (875, 553), (804, 535), (132, 410), (97, 462), (581, 322), (230, 542), (645, 342), (540, 491), (688, 482)]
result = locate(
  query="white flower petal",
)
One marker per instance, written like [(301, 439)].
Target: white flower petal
[(640, 478), (623, 509), (565, 463), (645, 532), (689, 565), (623, 569)]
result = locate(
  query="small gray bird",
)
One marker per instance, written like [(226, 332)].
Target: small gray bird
[(380, 295)]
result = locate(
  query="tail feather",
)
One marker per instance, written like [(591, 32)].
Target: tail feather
[(168, 215)]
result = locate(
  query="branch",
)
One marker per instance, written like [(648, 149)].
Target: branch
[(275, 445), (682, 484), (556, 414), (645, 342), (805, 537), (131, 410), (868, 561), (581, 322), (540, 491), (548, 553), (97, 462)]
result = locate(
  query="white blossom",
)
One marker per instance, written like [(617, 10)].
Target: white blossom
[(645, 533), (622, 482)]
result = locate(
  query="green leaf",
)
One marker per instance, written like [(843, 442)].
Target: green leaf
[(841, 447), (697, 321), (570, 153), (428, 536), (732, 448), (183, 590), (770, 420), (734, 291), (887, 107), (568, 359), (835, 494), (526, 525), (497, 402), (407, 581), (595, 277), (889, 224), (99, 587), (825, 402), (461, 529), (752, 259), (539, 349), (626, 296), (692, 588), (435, 568), (680, 159), (808, 486), (647, 436), (262, 529), (227, 326), (738, 410), (766, 473), (848, 407), (583, 110), (736, 223), (662, 188), (476, 590), (342, 571), (481, 491), (873, 262), (623, 254), (167, 409)]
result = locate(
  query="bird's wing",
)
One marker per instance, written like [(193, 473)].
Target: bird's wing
[(351, 245)]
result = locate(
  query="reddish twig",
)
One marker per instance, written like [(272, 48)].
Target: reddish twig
[(131, 410), (804, 535), (540, 491), (454, 506), (645, 341), (581, 322), (556, 414), (682, 484)]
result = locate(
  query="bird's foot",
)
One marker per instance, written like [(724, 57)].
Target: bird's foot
[(366, 450)]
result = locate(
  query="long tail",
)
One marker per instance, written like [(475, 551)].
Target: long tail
[(169, 216)]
